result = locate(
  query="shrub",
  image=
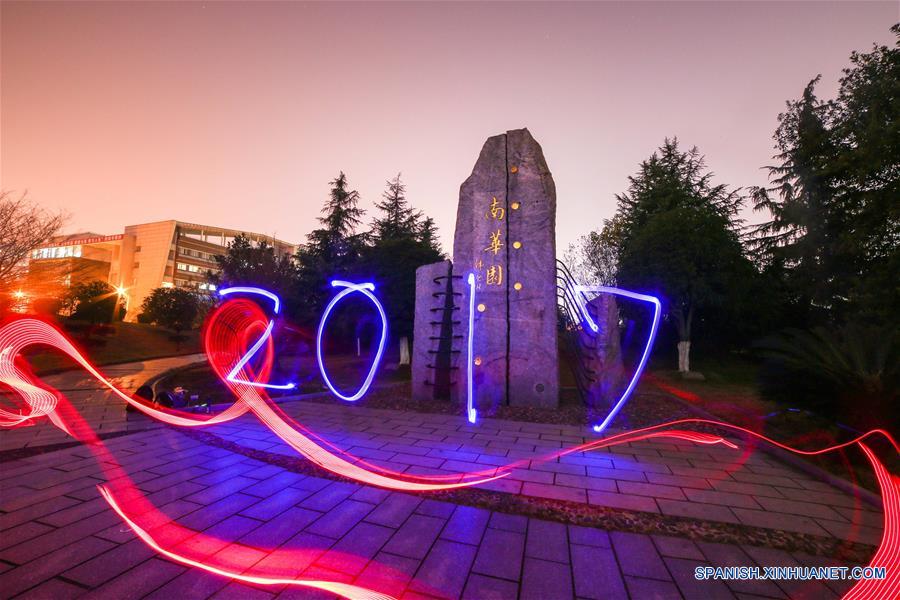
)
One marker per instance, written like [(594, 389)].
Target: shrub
[(95, 302), (851, 374), (172, 308)]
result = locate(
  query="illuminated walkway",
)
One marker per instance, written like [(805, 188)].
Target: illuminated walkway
[(59, 539)]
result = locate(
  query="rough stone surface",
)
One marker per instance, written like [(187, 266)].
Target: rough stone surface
[(481, 219), (533, 352), (436, 352), (505, 235), (603, 351)]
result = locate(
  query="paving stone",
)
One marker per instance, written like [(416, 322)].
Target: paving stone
[(723, 498), (138, 581), (218, 511), (193, 583), (853, 532), (588, 536), (58, 538), (218, 536), (596, 574), (436, 508), (651, 589), (466, 525), (675, 547), (553, 492), (388, 573), (394, 510), (480, 587), (650, 489), (271, 485), (547, 540), (638, 556), (112, 563), (507, 522), (329, 496), (544, 579), (239, 591), (500, 554), (275, 503), (794, 588), (748, 489), (29, 574), (277, 530), (620, 474), (339, 520), (445, 569), (695, 510), (682, 571), (589, 483), (796, 507), (352, 553), (415, 537), (23, 533), (727, 555), (54, 589), (772, 520)]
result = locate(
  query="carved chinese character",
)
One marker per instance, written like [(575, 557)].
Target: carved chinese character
[(494, 275), (495, 244), (496, 211)]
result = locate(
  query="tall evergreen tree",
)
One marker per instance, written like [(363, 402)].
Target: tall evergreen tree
[(428, 236), (679, 237), (331, 251), (398, 219), (401, 241), (799, 238), (835, 226)]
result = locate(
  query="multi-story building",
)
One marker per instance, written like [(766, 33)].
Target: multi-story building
[(143, 258)]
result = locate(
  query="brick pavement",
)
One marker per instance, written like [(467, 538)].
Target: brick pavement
[(59, 539), (94, 404)]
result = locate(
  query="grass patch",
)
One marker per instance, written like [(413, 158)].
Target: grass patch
[(126, 342), (730, 392)]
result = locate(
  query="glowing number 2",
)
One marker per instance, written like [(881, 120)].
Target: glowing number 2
[(233, 375), (366, 290)]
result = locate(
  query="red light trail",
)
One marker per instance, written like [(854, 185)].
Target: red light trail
[(230, 330)]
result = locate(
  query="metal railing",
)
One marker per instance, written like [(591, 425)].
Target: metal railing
[(571, 329)]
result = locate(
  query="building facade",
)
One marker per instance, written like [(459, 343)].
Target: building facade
[(143, 258)]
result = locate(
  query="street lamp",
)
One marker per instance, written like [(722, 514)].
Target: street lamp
[(122, 293)]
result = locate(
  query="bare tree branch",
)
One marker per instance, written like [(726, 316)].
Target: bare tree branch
[(24, 226)]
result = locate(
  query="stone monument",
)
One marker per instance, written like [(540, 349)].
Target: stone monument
[(505, 237)]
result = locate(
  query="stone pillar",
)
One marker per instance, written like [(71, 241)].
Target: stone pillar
[(480, 247), (603, 352), (505, 236), (531, 283), (436, 352)]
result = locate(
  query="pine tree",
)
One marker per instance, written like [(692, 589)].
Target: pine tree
[(331, 251), (399, 220), (680, 238), (428, 235)]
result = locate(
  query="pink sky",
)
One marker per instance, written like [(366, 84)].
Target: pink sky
[(238, 114)]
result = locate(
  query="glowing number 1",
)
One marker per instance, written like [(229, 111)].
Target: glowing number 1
[(233, 375), (471, 413)]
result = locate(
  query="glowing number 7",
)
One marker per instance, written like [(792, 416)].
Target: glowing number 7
[(581, 298), (233, 375)]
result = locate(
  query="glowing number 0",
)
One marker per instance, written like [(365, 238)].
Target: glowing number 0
[(366, 290)]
